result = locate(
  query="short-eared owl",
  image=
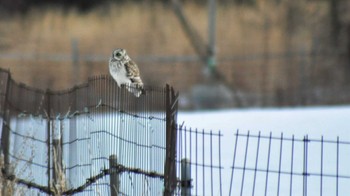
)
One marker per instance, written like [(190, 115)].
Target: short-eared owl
[(125, 72)]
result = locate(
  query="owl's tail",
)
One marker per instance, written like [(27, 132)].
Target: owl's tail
[(136, 90)]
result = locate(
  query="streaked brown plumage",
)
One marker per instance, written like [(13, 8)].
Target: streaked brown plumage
[(125, 72)]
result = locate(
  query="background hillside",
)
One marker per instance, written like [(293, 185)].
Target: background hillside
[(268, 52)]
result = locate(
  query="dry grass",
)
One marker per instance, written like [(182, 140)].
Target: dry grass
[(152, 29)]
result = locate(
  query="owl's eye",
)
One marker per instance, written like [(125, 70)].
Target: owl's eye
[(118, 54)]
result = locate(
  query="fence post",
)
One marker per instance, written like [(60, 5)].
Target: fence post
[(211, 61), (114, 175), (48, 132), (186, 177), (305, 164), (171, 102), (7, 188), (57, 173), (75, 60)]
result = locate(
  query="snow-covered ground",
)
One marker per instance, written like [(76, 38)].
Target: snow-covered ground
[(329, 122), (314, 121)]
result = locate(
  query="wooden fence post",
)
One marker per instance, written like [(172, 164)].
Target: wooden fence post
[(48, 132), (7, 188), (211, 59), (114, 175), (57, 173), (186, 177), (75, 60), (170, 181)]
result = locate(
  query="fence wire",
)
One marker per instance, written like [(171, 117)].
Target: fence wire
[(58, 141), (97, 137), (279, 165), (200, 152)]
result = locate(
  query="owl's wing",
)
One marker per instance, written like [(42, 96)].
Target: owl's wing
[(132, 69), (133, 73)]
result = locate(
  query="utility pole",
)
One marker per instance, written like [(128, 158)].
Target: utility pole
[(211, 56), (75, 60)]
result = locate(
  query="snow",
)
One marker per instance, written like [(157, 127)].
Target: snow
[(314, 121), (330, 122)]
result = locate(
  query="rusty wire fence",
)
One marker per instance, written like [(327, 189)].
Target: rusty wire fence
[(81, 140), (289, 165), (199, 164), (98, 139)]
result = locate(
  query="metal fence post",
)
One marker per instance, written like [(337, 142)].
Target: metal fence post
[(114, 175), (170, 181), (186, 177), (48, 132), (7, 188), (75, 60), (211, 59), (57, 173)]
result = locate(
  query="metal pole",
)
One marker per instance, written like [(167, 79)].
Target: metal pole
[(57, 156), (4, 149), (171, 137), (114, 175), (211, 61), (5, 137), (75, 60), (48, 109), (186, 177)]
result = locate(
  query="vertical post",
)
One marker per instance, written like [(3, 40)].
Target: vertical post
[(305, 164), (5, 137), (114, 175), (5, 124), (321, 172), (48, 110), (75, 60), (265, 64), (186, 177), (171, 141), (58, 175), (335, 20), (195, 39), (211, 61)]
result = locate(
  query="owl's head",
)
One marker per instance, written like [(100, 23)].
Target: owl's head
[(119, 54)]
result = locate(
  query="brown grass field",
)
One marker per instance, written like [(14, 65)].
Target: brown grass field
[(145, 29)]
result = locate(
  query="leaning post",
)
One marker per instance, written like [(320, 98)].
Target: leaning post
[(170, 181), (58, 174), (114, 175), (186, 177)]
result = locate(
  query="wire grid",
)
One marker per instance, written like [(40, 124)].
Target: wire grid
[(279, 165), (202, 149), (92, 121), (117, 123), (24, 114)]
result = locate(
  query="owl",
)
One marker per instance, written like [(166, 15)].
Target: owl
[(125, 72)]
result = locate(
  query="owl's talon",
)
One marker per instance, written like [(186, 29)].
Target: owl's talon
[(143, 91)]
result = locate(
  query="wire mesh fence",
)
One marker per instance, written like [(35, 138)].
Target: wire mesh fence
[(199, 162), (65, 142), (281, 78), (98, 139), (279, 165)]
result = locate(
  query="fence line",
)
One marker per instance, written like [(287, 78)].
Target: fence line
[(67, 137), (201, 152), (161, 59), (281, 165), (261, 79), (99, 139)]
